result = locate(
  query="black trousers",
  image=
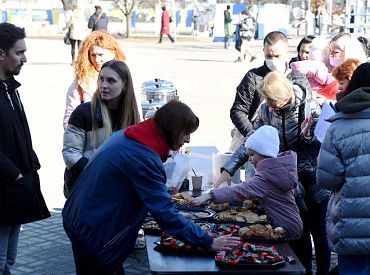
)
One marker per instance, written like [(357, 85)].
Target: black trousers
[(87, 264), (73, 47), (169, 36)]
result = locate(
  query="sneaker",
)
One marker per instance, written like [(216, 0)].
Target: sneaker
[(253, 58), (238, 60)]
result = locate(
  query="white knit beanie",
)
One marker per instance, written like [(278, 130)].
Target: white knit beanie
[(264, 141)]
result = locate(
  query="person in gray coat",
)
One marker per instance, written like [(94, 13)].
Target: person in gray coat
[(99, 20), (343, 168)]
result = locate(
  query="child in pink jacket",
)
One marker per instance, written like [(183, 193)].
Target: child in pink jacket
[(274, 183), (315, 69)]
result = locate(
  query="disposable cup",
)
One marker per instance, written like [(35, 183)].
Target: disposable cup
[(197, 182)]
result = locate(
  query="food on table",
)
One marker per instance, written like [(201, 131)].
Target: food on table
[(250, 254), (262, 231), (219, 207), (234, 214), (227, 229), (195, 214), (151, 225), (182, 199)]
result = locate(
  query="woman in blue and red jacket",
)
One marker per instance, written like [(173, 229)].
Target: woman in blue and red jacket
[(123, 181)]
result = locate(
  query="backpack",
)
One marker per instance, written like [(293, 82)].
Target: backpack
[(247, 28)]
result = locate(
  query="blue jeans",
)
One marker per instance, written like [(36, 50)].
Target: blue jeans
[(8, 247), (354, 265)]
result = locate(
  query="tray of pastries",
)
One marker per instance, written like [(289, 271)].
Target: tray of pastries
[(197, 214), (168, 244), (262, 232), (255, 232), (240, 215)]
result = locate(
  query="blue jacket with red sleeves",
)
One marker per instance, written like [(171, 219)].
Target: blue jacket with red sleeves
[(122, 182)]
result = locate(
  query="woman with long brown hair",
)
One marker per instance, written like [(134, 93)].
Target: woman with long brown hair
[(113, 107), (98, 48)]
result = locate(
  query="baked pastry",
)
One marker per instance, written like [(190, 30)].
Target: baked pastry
[(219, 207)]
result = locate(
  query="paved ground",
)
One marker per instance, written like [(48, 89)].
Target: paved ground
[(205, 76)]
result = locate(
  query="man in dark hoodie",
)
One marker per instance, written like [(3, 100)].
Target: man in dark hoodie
[(99, 20), (21, 200)]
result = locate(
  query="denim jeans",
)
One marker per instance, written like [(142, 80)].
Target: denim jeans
[(8, 247), (354, 265)]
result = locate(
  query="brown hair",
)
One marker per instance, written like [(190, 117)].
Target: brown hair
[(272, 37), (345, 70), (84, 69), (173, 119), (129, 113)]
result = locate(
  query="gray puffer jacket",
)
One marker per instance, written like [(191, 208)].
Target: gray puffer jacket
[(287, 122), (343, 168)]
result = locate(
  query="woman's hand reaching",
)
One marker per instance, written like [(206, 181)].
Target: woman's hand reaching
[(200, 200), (225, 176), (227, 242)]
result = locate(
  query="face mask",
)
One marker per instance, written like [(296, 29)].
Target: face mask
[(276, 65), (335, 61)]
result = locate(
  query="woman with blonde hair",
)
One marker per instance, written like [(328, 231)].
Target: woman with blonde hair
[(98, 48), (113, 107), (343, 46)]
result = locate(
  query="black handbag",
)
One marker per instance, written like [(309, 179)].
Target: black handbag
[(67, 38)]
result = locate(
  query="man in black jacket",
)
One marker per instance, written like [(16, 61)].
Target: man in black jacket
[(99, 20), (247, 99), (21, 200)]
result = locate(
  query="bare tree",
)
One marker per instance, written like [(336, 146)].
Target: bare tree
[(127, 6)]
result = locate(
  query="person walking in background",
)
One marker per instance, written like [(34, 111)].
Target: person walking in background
[(113, 107), (21, 200), (165, 25), (343, 168), (77, 26), (245, 30), (98, 48), (122, 183), (99, 20), (227, 26), (195, 25)]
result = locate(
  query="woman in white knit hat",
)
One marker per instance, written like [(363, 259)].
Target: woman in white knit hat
[(274, 183)]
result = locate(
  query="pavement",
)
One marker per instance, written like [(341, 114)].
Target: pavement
[(205, 76)]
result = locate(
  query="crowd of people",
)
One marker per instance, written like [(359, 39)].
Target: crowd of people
[(308, 188)]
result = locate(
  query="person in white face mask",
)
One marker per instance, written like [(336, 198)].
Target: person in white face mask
[(343, 46), (247, 99)]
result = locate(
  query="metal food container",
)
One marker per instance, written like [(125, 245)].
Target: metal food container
[(149, 107), (157, 83), (165, 94), (158, 90)]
